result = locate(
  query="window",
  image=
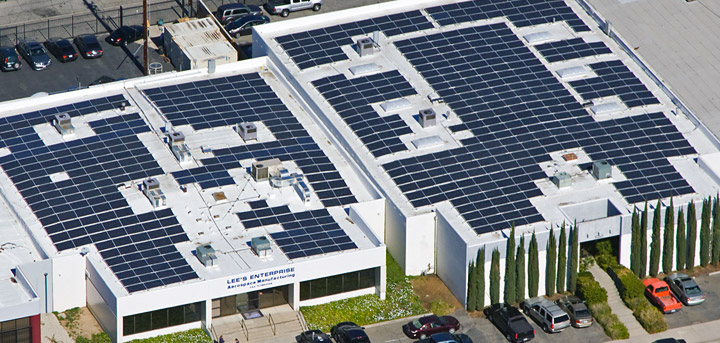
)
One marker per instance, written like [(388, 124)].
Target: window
[(337, 284), (16, 331), (158, 319)]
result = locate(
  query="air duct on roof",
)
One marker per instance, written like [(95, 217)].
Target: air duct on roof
[(178, 147), (151, 189)]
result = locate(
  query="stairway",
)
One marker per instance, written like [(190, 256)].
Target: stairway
[(616, 304), (278, 324)]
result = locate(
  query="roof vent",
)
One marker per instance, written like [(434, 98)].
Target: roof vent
[(302, 190), (365, 47), (178, 146), (176, 137), (262, 170), (206, 255), (248, 131), (428, 118), (601, 170), (562, 180), (63, 124), (261, 246), (151, 188)]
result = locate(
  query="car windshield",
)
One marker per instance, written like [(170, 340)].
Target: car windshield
[(582, 313), (37, 51), (693, 290), (661, 289), (416, 323), (518, 319), (9, 56), (562, 318)]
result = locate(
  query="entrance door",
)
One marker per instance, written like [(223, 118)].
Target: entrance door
[(253, 300)]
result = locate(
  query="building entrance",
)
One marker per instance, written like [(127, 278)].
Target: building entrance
[(250, 301)]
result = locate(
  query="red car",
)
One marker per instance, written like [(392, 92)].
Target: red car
[(425, 326)]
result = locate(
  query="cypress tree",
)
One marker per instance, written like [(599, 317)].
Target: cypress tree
[(692, 236), (520, 269), (471, 296), (480, 280), (716, 232), (495, 277), (551, 259), (574, 257), (635, 244), (643, 242), (668, 239), (655, 244), (510, 273), (533, 269), (681, 241), (562, 260), (705, 234)]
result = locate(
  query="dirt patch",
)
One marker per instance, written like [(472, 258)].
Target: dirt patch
[(79, 322), (434, 294)]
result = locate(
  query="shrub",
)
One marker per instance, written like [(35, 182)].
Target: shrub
[(590, 290), (632, 291), (610, 322), (636, 303), (586, 263), (629, 285), (650, 318), (606, 261)]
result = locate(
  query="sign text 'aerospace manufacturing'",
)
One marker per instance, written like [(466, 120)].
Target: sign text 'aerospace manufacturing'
[(261, 279)]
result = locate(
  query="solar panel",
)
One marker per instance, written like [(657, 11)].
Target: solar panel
[(570, 49), (614, 78)]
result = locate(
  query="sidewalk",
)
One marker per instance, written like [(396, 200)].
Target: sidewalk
[(616, 303), (707, 332)]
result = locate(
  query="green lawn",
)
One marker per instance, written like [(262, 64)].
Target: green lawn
[(189, 336), (400, 301)]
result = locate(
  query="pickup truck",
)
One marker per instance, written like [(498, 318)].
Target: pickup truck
[(658, 292), (510, 322)]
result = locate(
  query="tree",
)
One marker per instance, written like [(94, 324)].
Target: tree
[(562, 260), (574, 257), (635, 244), (480, 280), (643, 241), (692, 235), (681, 241), (716, 231), (669, 239), (495, 277), (471, 296), (510, 273), (551, 259), (520, 269), (533, 268), (655, 244), (705, 234)]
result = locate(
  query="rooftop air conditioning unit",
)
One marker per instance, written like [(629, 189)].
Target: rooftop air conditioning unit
[(365, 47), (262, 170), (248, 131), (63, 124), (562, 180), (302, 190), (178, 147), (601, 170), (428, 118), (151, 188), (261, 246), (206, 255)]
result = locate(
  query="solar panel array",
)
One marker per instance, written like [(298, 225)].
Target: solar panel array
[(570, 49), (520, 12), (518, 112), (247, 98), (614, 78), (304, 234), (351, 99), (321, 46), (88, 208)]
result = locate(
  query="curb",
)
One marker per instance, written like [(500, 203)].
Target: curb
[(405, 319)]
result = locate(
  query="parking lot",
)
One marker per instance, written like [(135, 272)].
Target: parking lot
[(705, 312)]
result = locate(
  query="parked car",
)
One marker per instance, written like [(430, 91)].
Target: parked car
[(34, 54), (88, 46), (61, 49), (580, 316), (659, 295), (547, 314), (670, 340), (349, 332), (428, 325), (9, 59), (685, 288), (229, 12), (125, 35), (446, 337), (510, 322), (242, 26), (284, 7), (313, 336)]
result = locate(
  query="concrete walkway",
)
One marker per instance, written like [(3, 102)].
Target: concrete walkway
[(616, 304), (51, 330)]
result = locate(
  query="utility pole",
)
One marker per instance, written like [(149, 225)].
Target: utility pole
[(146, 25)]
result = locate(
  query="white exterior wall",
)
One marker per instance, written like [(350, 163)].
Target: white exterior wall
[(452, 258), (395, 234), (68, 274), (420, 244), (102, 303), (372, 214)]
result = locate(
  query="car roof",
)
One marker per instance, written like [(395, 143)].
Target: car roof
[(428, 319), (231, 6), (7, 49)]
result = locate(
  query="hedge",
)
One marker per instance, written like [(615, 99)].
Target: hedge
[(590, 290), (596, 298), (632, 292)]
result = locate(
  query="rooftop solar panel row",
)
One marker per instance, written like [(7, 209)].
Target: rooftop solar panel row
[(570, 49), (614, 78)]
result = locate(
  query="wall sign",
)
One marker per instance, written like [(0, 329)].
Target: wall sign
[(262, 279)]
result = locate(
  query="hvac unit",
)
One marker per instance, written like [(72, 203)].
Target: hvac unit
[(248, 131), (262, 170), (206, 255), (302, 190), (261, 246), (151, 188), (562, 180), (178, 147), (365, 47), (428, 118), (601, 170), (63, 124)]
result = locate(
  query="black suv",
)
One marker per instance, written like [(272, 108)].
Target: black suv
[(125, 35), (510, 322), (349, 332), (9, 59)]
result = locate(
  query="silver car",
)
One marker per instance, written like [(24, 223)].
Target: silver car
[(580, 317), (686, 289), (284, 7), (546, 314)]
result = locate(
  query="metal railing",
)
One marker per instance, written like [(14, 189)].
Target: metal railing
[(213, 334), (271, 321), (301, 318), (244, 329)]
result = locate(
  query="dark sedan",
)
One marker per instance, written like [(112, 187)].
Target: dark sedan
[(313, 336), (125, 35), (580, 316), (428, 325), (446, 337), (34, 54), (88, 46), (243, 26), (61, 49), (349, 332), (9, 59)]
